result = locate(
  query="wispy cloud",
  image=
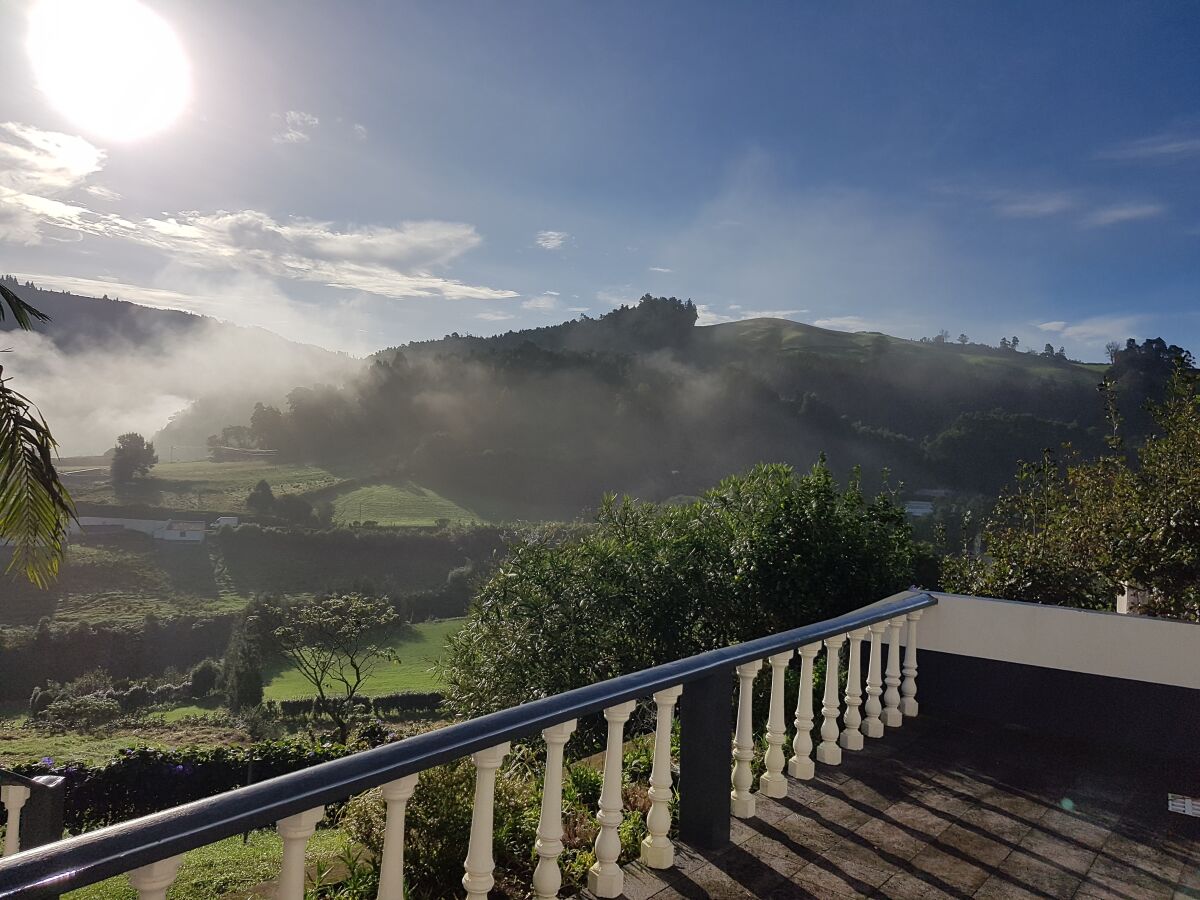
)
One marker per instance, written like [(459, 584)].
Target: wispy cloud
[(622, 296), (1095, 330), (490, 316), (1033, 205), (551, 240), (102, 193), (846, 323), (663, 269), (1122, 212), (359, 130), (543, 303), (1167, 147), (297, 127), (735, 312)]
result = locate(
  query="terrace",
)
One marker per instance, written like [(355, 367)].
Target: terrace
[(1037, 761)]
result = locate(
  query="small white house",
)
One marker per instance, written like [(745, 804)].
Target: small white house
[(177, 530), (225, 520), (918, 509)]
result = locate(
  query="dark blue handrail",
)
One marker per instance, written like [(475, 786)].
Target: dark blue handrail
[(87, 858)]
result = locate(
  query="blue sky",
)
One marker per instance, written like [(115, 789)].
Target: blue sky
[(360, 175)]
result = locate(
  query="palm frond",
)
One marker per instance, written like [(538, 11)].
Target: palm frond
[(21, 311), (35, 508)]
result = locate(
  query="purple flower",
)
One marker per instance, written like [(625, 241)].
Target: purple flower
[(48, 762), (179, 770)]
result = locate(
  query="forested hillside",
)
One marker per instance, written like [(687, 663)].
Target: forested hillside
[(540, 423)]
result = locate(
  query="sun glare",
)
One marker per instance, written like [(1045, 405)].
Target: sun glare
[(113, 67)]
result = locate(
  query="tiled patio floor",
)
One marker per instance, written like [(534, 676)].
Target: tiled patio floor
[(943, 810)]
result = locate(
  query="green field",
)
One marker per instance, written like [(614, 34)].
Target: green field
[(418, 652), (397, 503), (205, 485)]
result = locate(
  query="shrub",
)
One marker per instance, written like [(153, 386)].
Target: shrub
[(86, 712), (760, 553), (204, 678)]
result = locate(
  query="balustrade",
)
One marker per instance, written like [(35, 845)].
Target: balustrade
[(860, 717)]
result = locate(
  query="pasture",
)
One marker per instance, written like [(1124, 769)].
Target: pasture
[(418, 651), (397, 502)]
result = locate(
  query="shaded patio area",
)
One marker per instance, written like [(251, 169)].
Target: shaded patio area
[(942, 809)]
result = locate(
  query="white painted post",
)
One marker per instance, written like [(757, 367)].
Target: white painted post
[(741, 800), (892, 717), (657, 850), (772, 783), (547, 878), (13, 796), (872, 725), (605, 878), (480, 864), (851, 738), (295, 831), (396, 795), (151, 882), (801, 764), (908, 690), (828, 751)]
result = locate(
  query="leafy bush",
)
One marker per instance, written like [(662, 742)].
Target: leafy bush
[(204, 678), (760, 553), (86, 712)]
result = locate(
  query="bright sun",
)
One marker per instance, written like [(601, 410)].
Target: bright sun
[(113, 67)]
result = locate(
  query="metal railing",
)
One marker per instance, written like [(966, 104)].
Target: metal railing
[(706, 714)]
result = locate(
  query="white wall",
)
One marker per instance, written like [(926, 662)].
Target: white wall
[(1057, 637)]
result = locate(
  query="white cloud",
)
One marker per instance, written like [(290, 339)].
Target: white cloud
[(1124, 212), (494, 316), (102, 193), (1033, 205), (1166, 147), (543, 303), (622, 296), (360, 131), (846, 323), (1096, 330), (662, 269), (706, 315), (551, 240), (32, 160), (578, 309), (298, 127)]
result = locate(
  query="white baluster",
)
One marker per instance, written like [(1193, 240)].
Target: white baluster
[(872, 725), (547, 878), (151, 882), (891, 697), (605, 878), (828, 751), (741, 800), (801, 764), (772, 783), (13, 796), (657, 850), (908, 702), (295, 831), (396, 795), (852, 738), (480, 864)]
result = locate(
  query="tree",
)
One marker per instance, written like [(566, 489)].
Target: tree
[(35, 507), (1015, 342), (337, 644), (760, 553), (963, 339), (267, 427), (261, 500), (1112, 348), (294, 509), (1074, 534), (1048, 351), (132, 456), (1004, 345)]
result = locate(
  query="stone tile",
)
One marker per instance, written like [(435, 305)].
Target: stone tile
[(1144, 856), (948, 871), (768, 810), (1023, 875), (809, 832), (861, 863), (759, 862), (823, 879), (1109, 877), (1079, 828), (706, 881), (973, 846), (641, 883), (997, 824), (893, 838), (1065, 853), (908, 886), (918, 817), (836, 812)]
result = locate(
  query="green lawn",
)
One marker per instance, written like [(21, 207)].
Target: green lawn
[(228, 868), (208, 485), (19, 745), (397, 503), (414, 672)]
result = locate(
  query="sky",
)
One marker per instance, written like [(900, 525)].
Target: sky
[(362, 175)]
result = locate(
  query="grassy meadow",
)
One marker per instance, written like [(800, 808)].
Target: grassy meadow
[(397, 502), (418, 651)]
